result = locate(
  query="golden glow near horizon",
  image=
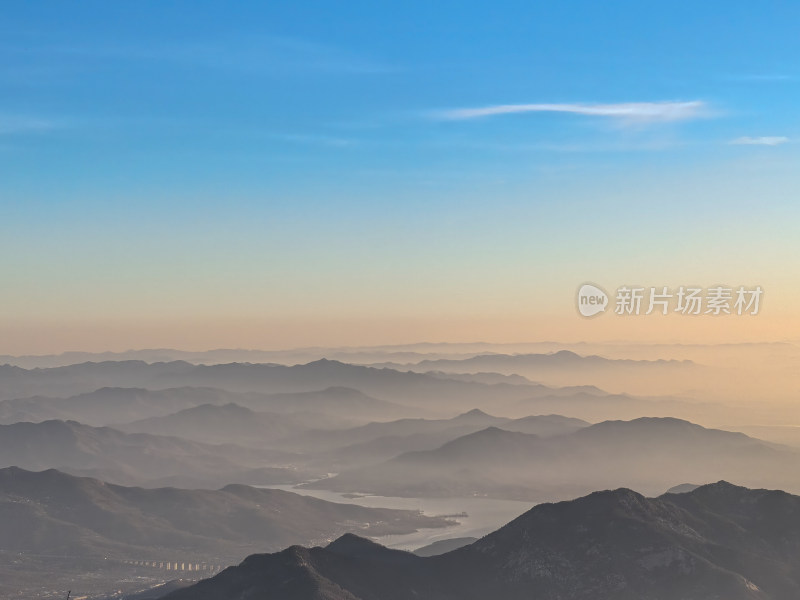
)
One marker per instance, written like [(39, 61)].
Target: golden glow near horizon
[(206, 333), (459, 228)]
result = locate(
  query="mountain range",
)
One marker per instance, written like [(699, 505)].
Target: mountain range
[(115, 405), (109, 393), (142, 459), (645, 454), (565, 367), (718, 542), (344, 448), (231, 423), (395, 386), (54, 512), (60, 532)]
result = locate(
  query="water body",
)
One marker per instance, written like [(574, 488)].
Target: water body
[(483, 515)]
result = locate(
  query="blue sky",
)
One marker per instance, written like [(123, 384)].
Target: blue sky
[(398, 160)]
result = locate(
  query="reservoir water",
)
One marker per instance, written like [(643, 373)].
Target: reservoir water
[(483, 515)]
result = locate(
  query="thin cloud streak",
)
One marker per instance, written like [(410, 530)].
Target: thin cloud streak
[(629, 111), (760, 141)]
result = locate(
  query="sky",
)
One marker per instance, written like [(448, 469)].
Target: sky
[(264, 175)]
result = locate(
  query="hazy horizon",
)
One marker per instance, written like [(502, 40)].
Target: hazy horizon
[(289, 289)]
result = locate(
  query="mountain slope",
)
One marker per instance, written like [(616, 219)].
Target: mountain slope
[(433, 429), (718, 542), (139, 458), (108, 405), (420, 394), (114, 405), (383, 441), (230, 423), (647, 454), (52, 512), (565, 367), (402, 387)]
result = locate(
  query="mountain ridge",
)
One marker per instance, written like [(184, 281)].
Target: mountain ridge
[(609, 545), (647, 454)]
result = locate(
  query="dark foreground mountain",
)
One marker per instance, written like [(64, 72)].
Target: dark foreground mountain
[(719, 542)]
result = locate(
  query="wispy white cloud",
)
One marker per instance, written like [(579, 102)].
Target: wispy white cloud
[(639, 112), (760, 141), (586, 147)]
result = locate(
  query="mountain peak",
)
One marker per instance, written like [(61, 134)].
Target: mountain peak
[(720, 489), (323, 362), (683, 488), (488, 440), (490, 433), (475, 413), (352, 545)]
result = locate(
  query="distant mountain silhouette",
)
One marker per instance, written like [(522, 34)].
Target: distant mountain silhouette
[(339, 401), (567, 368), (289, 357), (490, 378), (94, 395), (231, 423), (112, 406), (375, 441), (417, 389), (140, 459), (647, 454), (108, 405), (719, 541), (519, 363), (683, 488)]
